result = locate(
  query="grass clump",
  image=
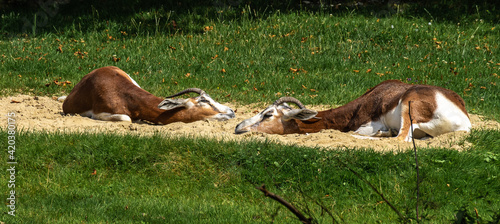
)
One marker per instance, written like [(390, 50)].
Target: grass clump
[(103, 177)]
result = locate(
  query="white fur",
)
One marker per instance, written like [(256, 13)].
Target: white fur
[(392, 119), (225, 111), (221, 117), (447, 118), (61, 98), (106, 116), (387, 121), (112, 117), (133, 81), (371, 128)]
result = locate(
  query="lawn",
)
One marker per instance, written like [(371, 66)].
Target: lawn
[(247, 53)]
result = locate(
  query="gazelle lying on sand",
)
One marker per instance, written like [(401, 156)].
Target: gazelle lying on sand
[(381, 112), (110, 94)]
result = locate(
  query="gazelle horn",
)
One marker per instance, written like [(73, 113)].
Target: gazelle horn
[(190, 90), (288, 99)]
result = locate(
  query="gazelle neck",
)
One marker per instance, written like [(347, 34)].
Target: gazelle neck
[(146, 106), (345, 118)]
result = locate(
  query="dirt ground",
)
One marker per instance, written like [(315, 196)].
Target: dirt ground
[(45, 114)]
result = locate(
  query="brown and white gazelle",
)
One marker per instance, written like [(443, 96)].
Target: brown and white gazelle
[(110, 94), (381, 112)]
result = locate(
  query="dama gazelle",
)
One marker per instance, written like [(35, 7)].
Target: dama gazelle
[(381, 112), (110, 94)]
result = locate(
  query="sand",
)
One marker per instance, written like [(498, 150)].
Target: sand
[(33, 113)]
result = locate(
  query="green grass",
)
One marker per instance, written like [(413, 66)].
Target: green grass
[(161, 179), (247, 54), (317, 57)]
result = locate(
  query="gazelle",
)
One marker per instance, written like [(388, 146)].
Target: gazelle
[(383, 111), (110, 94)]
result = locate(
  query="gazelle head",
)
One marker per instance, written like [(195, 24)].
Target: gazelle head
[(278, 118), (202, 107)]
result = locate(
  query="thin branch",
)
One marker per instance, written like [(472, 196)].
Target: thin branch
[(416, 159), (282, 201)]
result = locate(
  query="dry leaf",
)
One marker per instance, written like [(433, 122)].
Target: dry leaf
[(59, 49), (208, 28)]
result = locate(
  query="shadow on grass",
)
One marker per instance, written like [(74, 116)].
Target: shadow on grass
[(189, 17)]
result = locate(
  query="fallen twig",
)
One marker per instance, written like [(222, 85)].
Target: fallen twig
[(282, 201)]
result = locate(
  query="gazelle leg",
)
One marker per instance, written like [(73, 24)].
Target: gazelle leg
[(405, 123), (421, 111), (111, 117)]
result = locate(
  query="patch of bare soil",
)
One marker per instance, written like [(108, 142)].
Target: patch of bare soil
[(45, 114)]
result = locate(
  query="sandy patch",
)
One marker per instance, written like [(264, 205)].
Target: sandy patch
[(45, 114)]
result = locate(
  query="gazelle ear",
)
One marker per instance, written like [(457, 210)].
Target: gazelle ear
[(170, 104), (300, 114)]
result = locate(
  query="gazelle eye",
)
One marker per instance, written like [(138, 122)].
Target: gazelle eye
[(267, 115)]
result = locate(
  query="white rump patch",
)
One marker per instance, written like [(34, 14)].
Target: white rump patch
[(447, 118)]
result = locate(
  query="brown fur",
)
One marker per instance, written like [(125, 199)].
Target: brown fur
[(375, 102), (110, 90)]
